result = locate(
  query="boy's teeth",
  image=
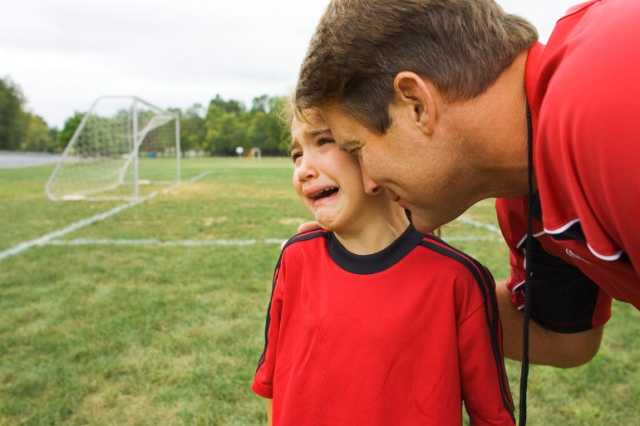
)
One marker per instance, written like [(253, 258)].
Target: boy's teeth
[(325, 192)]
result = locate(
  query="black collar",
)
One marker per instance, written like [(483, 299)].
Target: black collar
[(375, 262)]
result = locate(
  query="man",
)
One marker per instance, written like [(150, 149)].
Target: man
[(440, 99)]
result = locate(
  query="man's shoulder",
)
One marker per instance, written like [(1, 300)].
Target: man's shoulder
[(573, 10)]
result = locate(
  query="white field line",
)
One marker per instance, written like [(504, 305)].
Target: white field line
[(52, 238), (45, 239), (198, 177), (24, 246), (153, 242), (166, 243), (476, 224)]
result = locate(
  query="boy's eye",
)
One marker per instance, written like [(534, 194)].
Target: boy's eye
[(295, 155), (323, 141)]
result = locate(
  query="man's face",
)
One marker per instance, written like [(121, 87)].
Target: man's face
[(422, 172)]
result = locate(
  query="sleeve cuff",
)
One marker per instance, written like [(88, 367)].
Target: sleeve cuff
[(564, 307), (262, 390)]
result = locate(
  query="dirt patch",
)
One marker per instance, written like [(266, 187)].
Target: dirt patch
[(209, 221), (112, 407), (196, 189)]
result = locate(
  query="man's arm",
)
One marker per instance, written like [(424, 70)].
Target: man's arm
[(546, 347)]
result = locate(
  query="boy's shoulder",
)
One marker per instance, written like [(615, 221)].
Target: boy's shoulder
[(452, 260), (472, 282), (303, 242), (301, 237)]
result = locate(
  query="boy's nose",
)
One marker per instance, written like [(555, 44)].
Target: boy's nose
[(370, 186), (306, 170)]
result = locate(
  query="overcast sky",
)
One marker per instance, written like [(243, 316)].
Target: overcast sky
[(65, 53)]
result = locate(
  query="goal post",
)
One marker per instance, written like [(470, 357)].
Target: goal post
[(122, 149)]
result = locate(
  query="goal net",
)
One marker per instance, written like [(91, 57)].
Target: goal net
[(123, 149)]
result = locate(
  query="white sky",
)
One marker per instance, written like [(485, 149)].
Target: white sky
[(65, 53)]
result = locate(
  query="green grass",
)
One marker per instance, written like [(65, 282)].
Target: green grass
[(149, 335)]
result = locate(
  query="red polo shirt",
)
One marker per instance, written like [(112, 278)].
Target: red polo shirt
[(583, 91), (401, 337)]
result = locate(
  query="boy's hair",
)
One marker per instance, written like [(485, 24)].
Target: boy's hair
[(291, 112), (288, 114), (359, 47)]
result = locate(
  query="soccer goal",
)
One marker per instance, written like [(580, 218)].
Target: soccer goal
[(123, 149)]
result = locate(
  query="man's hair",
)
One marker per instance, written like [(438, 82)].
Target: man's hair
[(359, 46)]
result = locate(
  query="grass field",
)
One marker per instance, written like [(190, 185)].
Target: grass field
[(130, 322)]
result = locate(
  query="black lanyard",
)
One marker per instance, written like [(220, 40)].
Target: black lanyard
[(524, 371)]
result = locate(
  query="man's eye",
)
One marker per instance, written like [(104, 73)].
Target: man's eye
[(354, 150)]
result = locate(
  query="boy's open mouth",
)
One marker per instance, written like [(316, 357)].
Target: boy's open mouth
[(324, 193)]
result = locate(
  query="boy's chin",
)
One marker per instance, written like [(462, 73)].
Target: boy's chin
[(330, 223), (326, 224)]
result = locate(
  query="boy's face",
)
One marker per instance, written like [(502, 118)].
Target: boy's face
[(328, 179), (417, 172)]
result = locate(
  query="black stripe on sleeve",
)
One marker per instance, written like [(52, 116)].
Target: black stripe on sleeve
[(486, 285), (295, 239)]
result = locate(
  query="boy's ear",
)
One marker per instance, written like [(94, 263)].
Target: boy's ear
[(419, 97)]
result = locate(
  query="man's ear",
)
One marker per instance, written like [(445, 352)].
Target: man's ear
[(413, 92)]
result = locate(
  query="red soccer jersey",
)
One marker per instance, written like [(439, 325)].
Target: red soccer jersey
[(583, 92), (401, 337)]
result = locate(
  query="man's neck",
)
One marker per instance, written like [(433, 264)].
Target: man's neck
[(495, 126), (373, 234)]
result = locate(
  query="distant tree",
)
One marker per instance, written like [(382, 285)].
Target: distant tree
[(268, 130), (68, 129), (13, 119), (219, 129), (231, 106), (277, 109), (226, 126), (225, 133), (37, 135), (55, 141), (193, 131), (260, 104)]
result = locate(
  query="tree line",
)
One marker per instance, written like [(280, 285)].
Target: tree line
[(20, 129), (215, 129)]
